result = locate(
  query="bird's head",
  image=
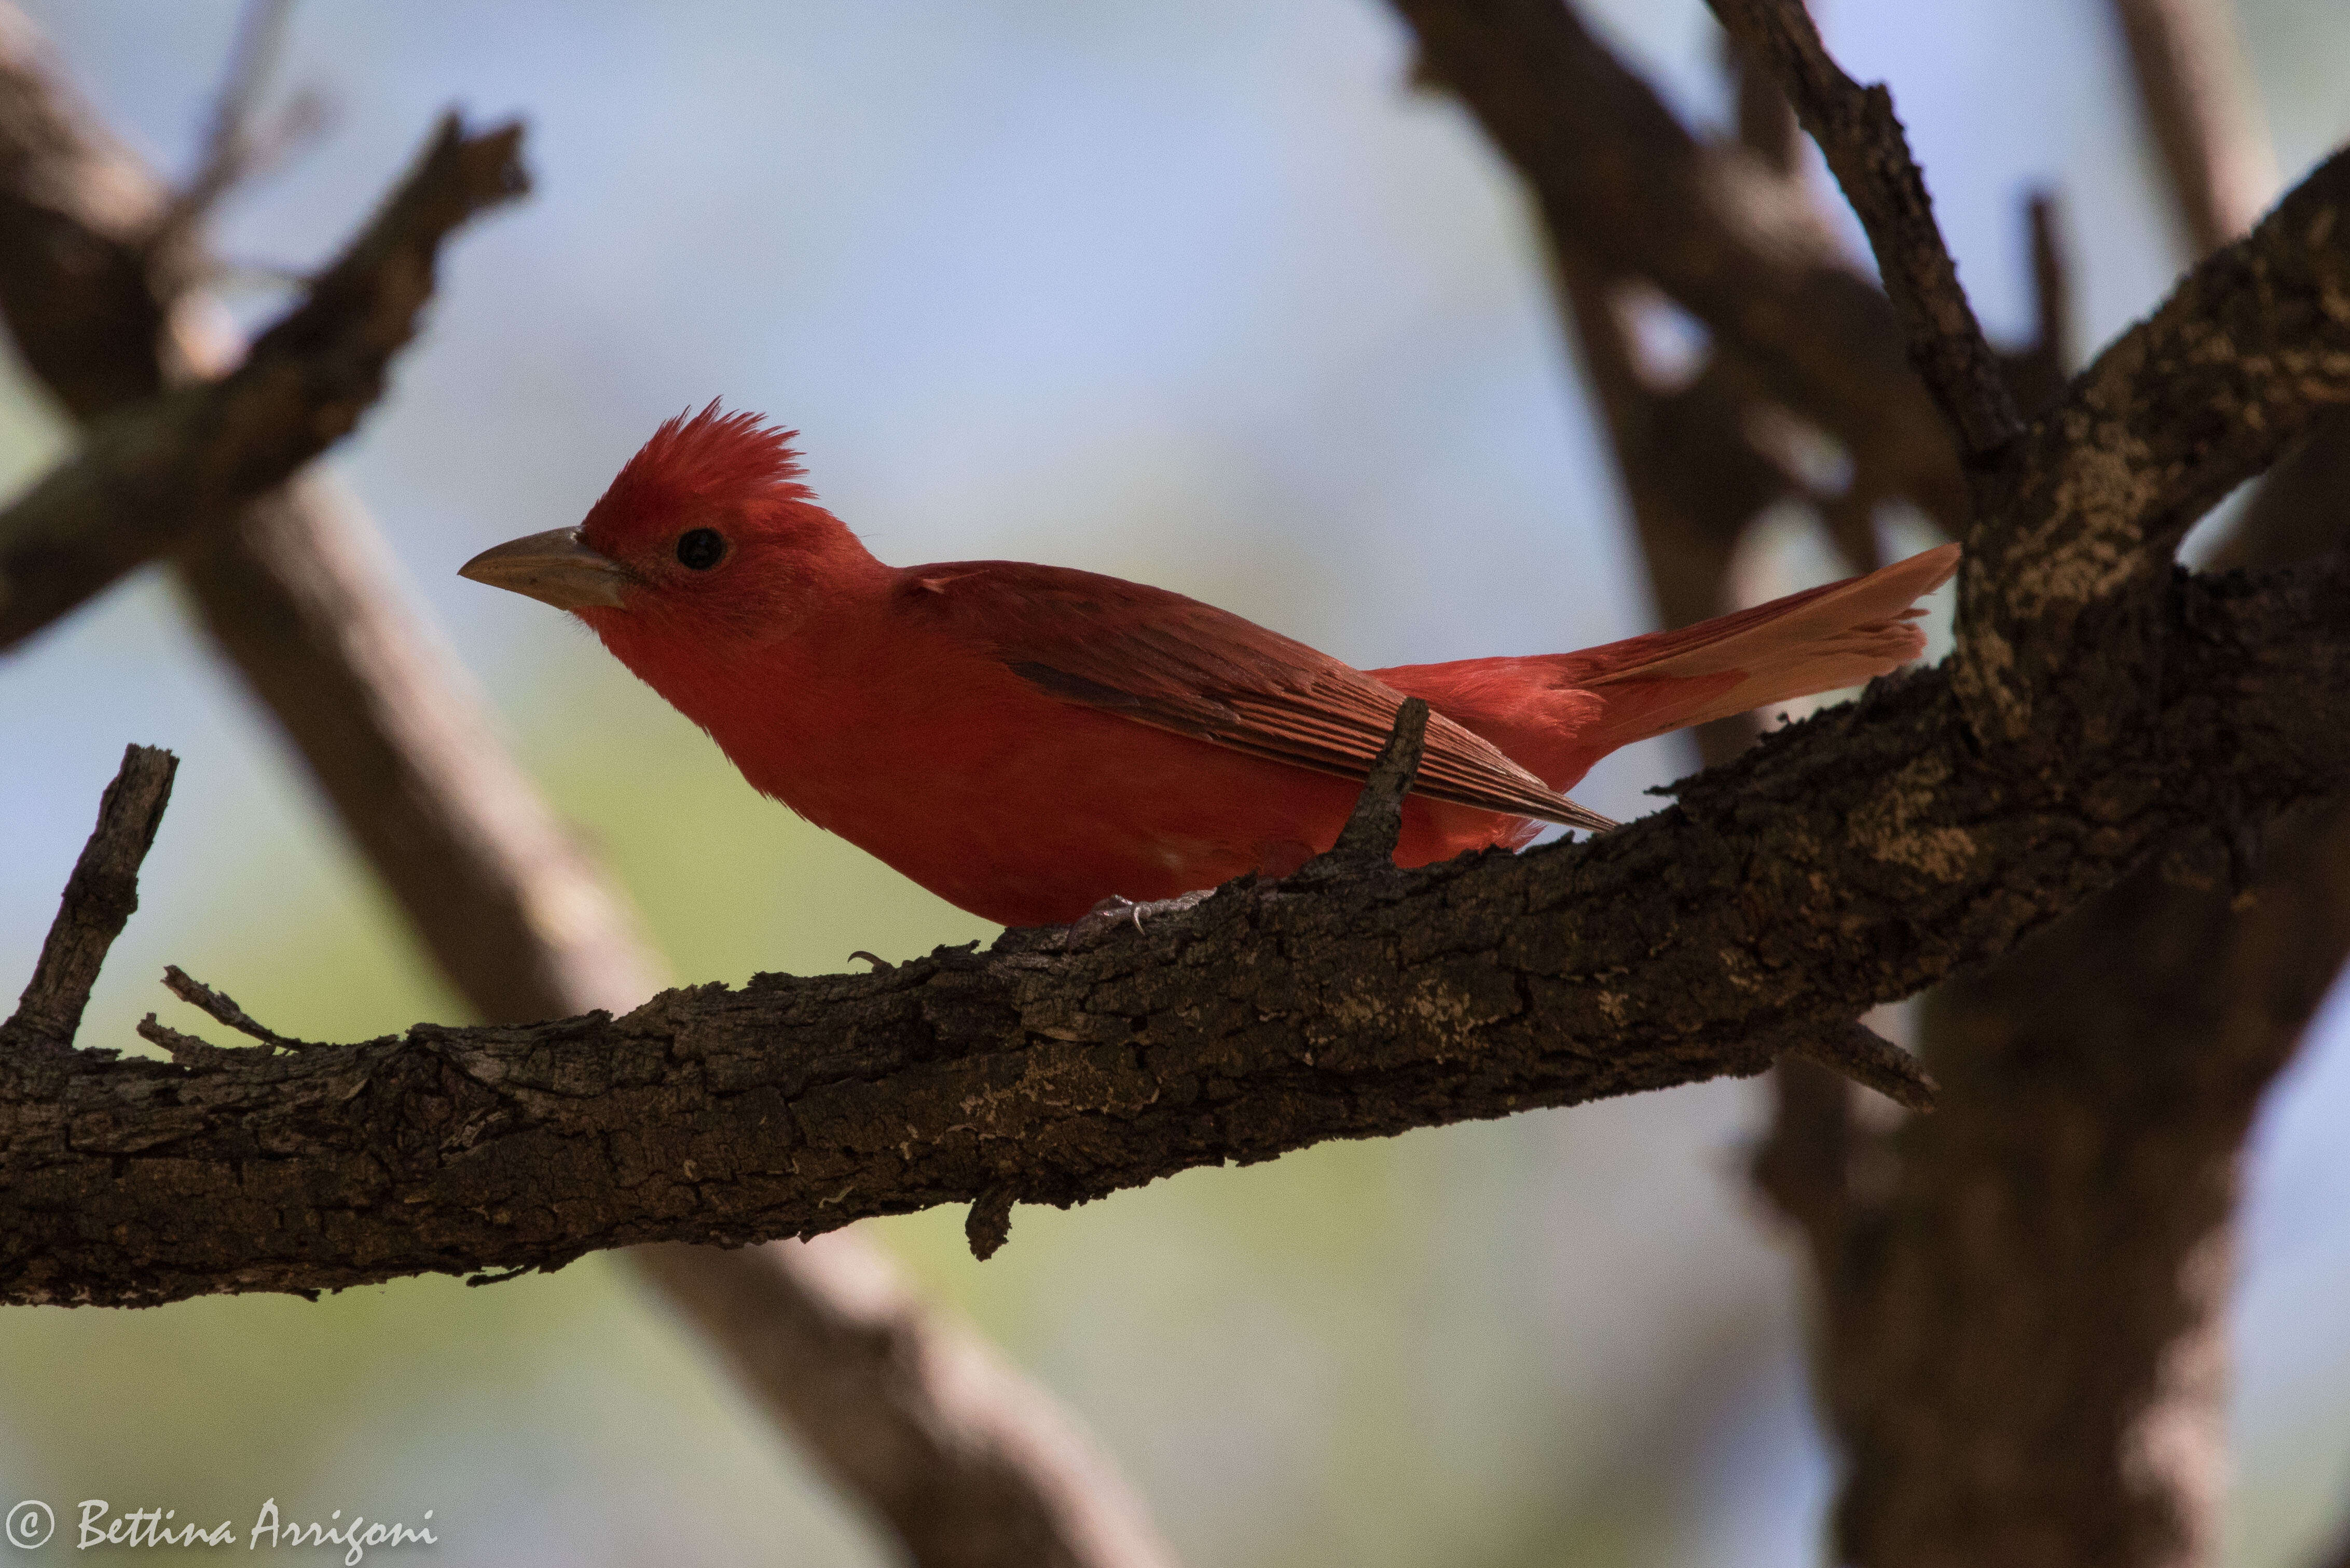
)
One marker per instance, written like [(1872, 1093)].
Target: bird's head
[(706, 536)]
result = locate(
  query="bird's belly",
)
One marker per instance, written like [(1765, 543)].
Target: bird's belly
[(1036, 824)]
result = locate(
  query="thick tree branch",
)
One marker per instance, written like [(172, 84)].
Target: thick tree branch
[(1848, 860), (524, 924), (1692, 474), (1930, 1250), (2195, 92), (1828, 1172), (299, 596), (1864, 145), (2249, 351), (2076, 1196), (1696, 480), (1617, 178), (100, 899), (186, 464)]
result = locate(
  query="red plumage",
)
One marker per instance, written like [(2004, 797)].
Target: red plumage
[(1027, 740)]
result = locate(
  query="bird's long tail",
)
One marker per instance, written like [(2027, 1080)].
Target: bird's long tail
[(1556, 714)]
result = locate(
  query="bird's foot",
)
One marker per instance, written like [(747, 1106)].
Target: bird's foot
[(1115, 912)]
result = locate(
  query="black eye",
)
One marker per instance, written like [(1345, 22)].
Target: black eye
[(698, 549)]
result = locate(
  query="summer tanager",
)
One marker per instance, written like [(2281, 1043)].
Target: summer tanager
[(1031, 741)]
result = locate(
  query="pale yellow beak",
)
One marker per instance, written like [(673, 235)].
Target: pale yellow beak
[(553, 567)]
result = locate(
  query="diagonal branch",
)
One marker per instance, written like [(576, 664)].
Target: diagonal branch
[(1373, 827), (99, 900), (222, 1008), (1864, 145), (2058, 537), (2076, 1194), (184, 464), (1856, 1052), (301, 599), (237, 146), (1696, 479)]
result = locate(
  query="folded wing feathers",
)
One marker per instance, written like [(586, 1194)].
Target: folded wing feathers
[(1199, 671), (1338, 725)]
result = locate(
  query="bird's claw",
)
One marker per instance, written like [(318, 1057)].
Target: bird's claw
[(1116, 910)]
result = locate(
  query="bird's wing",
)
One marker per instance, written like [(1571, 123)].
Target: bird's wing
[(1174, 663)]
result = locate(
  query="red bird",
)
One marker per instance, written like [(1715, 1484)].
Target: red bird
[(1029, 741)]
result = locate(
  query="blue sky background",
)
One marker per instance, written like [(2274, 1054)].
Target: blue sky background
[(1194, 293)]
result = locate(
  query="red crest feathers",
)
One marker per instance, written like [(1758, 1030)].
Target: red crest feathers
[(710, 460)]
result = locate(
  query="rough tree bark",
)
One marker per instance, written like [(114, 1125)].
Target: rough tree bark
[(2110, 1180), (2022, 1298), (99, 900), (100, 277)]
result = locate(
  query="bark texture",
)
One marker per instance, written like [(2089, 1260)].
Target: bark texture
[(99, 900), (2022, 1297), (2021, 1294), (2021, 1333), (1864, 144)]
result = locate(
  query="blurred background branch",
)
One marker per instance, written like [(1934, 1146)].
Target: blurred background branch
[(2195, 90), (1713, 226), (167, 470)]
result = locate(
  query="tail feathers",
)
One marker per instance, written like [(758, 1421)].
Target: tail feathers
[(1866, 618), (1557, 714), (1840, 635)]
